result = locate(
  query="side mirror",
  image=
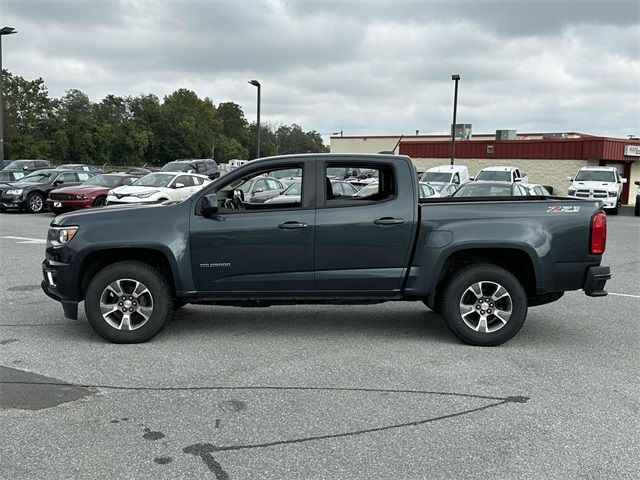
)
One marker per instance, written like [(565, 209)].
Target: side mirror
[(57, 182), (637, 182), (25, 167), (471, 179), (258, 190), (624, 180), (214, 175), (518, 180), (570, 179), (210, 204), (178, 185)]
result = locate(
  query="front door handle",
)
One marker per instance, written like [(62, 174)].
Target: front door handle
[(292, 225), (389, 221)]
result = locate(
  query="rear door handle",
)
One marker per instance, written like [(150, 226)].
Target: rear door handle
[(292, 225), (389, 221)]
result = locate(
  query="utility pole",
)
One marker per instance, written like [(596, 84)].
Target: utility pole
[(3, 31), (455, 78), (256, 83)]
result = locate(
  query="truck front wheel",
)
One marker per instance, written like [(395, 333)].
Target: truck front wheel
[(484, 305), (128, 302)]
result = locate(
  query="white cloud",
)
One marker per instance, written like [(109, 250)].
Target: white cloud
[(361, 67)]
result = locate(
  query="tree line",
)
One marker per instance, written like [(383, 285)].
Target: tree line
[(135, 130)]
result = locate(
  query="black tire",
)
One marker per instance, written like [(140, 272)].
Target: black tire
[(454, 293), (99, 202), (614, 211), (35, 203), (152, 279)]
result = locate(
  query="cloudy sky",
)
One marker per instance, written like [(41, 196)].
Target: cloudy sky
[(364, 67)]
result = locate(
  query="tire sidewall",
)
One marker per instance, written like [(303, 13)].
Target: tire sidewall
[(152, 279), (29, 197), (466, 278)]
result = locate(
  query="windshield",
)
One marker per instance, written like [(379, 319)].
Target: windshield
[(483, 190), (595, 176), (15, 165), (103, 181), (499, 176), (367, 191), (436, 177), (178, 167), (438, 186), (294, 189), (154, 180), (39, 177), (10, 176)]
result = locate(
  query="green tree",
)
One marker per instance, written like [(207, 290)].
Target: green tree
[(28, 115)]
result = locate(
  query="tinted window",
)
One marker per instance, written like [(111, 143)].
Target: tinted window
[(595, 176), (500, 176), (436, 177), (483, 190), (185, 180), (260, 186), (42, 164), (377, 191), (154, 180), (68, 177)]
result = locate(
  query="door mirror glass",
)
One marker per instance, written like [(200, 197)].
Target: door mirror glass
[(210, 204)]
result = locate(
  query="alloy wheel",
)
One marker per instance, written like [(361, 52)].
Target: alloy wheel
[(126, 304), (485, 307)]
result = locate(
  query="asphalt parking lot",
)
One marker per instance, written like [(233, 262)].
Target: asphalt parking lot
[(302, 392)]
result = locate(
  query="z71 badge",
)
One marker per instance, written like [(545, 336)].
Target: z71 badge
[(571, 209)]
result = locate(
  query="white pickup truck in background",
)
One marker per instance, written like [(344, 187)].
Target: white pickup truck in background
[(598, 183)]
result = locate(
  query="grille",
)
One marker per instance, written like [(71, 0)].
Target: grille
[(591, 193), (600, 194), (582, 193), (60, 196)]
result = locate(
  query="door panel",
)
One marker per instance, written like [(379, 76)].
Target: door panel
[(248, 251), (365, 247)]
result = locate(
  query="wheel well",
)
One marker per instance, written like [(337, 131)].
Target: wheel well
[(96, 261), (515, 261)]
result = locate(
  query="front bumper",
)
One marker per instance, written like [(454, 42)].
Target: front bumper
[(56, 275), (595, 281), (67, 205), (12, 201)]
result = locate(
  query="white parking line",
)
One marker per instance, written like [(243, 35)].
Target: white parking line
[(27, 240), (624, 295)]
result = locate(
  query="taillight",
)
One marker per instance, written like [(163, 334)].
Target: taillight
[(598, 234)]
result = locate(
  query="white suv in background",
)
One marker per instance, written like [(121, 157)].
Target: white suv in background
[(599, 183), (158, 187), (502, 174)]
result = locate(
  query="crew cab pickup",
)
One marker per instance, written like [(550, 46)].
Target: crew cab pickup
[(481, 262)]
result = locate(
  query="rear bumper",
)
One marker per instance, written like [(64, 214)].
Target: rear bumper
[(595, 281)]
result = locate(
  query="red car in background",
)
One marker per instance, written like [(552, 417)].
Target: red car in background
[(91, 193)]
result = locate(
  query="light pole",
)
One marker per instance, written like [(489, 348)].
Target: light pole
[(455, 78), (256, 83), (3, 31)]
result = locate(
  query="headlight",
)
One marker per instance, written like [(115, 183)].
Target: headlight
[(82, 197), (571, 191), (62, 235), (110, 192), (145, 194), (613, 194), (14, 192)]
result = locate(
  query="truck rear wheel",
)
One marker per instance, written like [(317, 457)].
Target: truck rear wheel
[(128, 302), (484, 305)]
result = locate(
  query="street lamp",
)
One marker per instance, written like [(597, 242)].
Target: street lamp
[(3, 31), (455, 78), (256, 83)]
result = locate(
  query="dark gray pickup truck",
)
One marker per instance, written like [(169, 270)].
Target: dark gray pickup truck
[(480, 261)]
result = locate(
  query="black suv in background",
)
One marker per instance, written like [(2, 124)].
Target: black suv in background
[(28, 166), (203, 166)]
